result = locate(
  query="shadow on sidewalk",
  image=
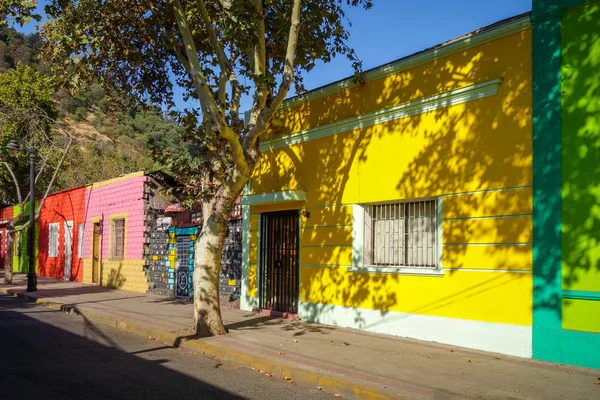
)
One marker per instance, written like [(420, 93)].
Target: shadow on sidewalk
[(90, 366)]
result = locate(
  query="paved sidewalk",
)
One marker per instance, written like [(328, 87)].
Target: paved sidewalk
[(353, 363)]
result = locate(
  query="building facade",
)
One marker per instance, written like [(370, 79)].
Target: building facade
[(451, 196), (403, 205), (61, 222), (566, 133)]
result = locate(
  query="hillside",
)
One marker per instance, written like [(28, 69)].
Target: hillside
[(109, 140)]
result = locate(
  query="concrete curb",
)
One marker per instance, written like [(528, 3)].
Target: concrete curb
[(285, 371)]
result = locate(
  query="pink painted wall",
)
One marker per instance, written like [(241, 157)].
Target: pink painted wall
[(120, 197)]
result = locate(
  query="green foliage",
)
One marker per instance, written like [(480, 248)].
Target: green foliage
[(141, 48), (26, 114), (22, 11), (18, 48), (122, 146)]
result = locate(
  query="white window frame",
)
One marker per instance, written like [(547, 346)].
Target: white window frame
[(80, 238), (53, 239), (358, 237)]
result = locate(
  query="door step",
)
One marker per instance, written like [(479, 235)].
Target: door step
[(276, 314)]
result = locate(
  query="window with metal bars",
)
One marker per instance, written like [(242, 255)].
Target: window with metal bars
[(401, 234), (118, 237)]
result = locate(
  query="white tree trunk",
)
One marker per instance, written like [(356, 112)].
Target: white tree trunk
[(207, 263)]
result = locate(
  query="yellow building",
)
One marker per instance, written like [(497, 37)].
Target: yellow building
[(402, 204)]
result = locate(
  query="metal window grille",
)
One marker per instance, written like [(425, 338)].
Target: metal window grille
[(401, 234), (118, 245), (53, 239)]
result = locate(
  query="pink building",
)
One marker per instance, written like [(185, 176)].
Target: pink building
[(119, 213)]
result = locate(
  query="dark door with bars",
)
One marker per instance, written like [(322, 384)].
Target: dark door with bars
[(279, 236)]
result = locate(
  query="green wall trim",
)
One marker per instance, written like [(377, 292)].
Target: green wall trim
[(426, 104), (581, 295), (488, 217), (504, 29), (270, 198), (486, 244)]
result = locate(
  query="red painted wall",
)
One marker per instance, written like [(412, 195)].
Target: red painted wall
[(5, 214), (61, 207)]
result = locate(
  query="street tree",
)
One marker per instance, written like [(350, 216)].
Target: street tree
[(27, 122), (217, 51)]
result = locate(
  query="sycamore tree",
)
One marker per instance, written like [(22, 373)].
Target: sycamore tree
[(27, 120), (218, 51)]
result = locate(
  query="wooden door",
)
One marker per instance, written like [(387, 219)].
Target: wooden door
[(68, 250), (96, 252)]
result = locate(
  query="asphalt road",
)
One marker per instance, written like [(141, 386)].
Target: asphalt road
[(47, 354)]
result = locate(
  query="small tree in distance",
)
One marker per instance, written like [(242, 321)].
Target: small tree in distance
[(218, 51), (27, 118)]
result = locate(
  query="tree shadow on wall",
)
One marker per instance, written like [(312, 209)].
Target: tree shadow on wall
[(580, 109), (480, 145), (115, 279)]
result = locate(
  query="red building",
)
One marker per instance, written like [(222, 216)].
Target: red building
[(5, 215), (60, 233)]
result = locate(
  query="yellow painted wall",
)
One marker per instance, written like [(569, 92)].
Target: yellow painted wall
[(466, 295), (454, 152), (119, 274)]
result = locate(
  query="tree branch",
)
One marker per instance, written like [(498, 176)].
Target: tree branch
[(258, 62), (224, 64), (264, 119), (15, 181), (207, 102)]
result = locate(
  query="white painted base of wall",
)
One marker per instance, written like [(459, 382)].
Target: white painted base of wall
[(247, 303), (514, 340)]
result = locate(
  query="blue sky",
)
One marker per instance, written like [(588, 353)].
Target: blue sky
[(396, 28)]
